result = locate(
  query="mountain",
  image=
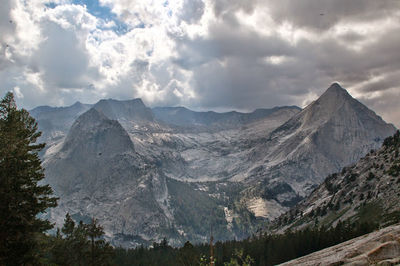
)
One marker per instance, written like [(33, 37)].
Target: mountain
[(143, 165), (131, 110), (367, 191), (146, 176), (331, 132), (181, 116), (97, 173), (54, 122), (93, 143)]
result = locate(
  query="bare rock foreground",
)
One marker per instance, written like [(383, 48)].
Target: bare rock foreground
[(381, 247)]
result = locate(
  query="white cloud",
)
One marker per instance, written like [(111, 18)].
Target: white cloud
[(217, 54), (18, 93)]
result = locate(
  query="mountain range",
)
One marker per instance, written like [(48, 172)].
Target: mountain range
[(172, 172)]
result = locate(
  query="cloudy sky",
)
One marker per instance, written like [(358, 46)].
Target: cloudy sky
[(203, 54)]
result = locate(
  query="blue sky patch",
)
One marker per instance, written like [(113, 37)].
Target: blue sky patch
[(104, 13)]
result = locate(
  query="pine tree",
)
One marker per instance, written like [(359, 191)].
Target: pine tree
[(81, 244), (100, 251), (22, 199)]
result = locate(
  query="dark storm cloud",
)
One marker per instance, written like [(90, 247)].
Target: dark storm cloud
[(231, 68), (7, 25), (323, 14), (248, 54), (7, 29), (222, 7), (192, 11), (386, 105), (224, 42)]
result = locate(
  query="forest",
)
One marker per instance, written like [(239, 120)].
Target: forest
[(265, 249)]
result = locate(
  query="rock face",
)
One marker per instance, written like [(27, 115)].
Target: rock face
[(98, 173), (132, 110), (183, 117), (331, 132), (377, 248), (54, 122), (57, 120), (171, 172), (367, 191), (93, 143)]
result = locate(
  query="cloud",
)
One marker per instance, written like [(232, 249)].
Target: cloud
[(18, 93), (192, 11), (324, 14), (204, 54)]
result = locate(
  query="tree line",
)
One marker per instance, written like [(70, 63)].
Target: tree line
[(264, 249)]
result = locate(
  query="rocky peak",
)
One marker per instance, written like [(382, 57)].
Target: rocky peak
[(77, 104), (337, 89), (133, 110), (335, 96), (93, 133), (326, 106), (337, 104)]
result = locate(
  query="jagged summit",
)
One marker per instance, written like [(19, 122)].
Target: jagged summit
[(77, 104), (96, 151), (333, 131), (336, 87), (336, 104), (334, 97), (94, 133), (90, 116), (336, 91)]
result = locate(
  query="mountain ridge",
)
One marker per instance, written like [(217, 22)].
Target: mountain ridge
[(245, 171), (367, 189)]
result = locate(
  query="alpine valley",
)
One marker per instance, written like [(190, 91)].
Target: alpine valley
[(146, 174)]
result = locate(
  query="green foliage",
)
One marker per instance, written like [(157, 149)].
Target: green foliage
[(81, 244), (328, 184), (351, 177), (262, 250), (393, 141), (22, 198), (370, 176), (239, 259), (371, 211), (394, 169)]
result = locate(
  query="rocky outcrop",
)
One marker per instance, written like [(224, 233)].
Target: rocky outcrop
[(381, 247), (367, 191)]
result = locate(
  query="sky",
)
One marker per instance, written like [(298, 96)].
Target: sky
[(203, 54)]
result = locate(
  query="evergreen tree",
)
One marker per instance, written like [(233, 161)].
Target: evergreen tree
[(81, 244), (100, 251), (22, 199)]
